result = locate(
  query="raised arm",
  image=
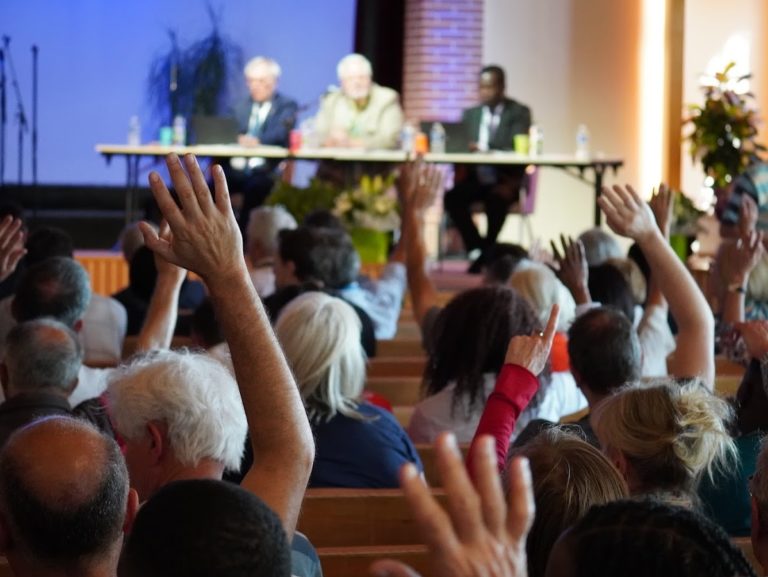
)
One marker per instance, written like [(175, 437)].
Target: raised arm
[(205, 239), (573, 270), (628, 215), (11, 245), (515, 386), (417, 187), (163, 312)]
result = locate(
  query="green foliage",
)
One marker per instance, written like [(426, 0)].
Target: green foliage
[(685, 215), (724, 130), (319, 195), (206, 70)]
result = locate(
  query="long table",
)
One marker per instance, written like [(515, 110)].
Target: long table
[(581, 168)]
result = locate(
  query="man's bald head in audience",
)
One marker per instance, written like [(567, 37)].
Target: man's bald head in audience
[(64, 498)]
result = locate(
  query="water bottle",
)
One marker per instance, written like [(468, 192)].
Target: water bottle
[(437, 138), (582, 142), (134, 131), (179, 130), (408, 138), (535, 140)]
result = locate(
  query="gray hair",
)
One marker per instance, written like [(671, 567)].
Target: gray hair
[(599, 246), (57, 287), (320, 336), (272, 67), (193, 394), (539, 285), (42, 354), (264, 224), (353, 61)]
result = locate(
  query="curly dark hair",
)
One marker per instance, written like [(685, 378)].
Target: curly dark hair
[(471, 335), (649, 538)]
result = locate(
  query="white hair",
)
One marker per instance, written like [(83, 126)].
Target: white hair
[(264, 224), (193, 394), (320, 336), (537, 284), (353, 61), (254, 64), (599, 246)]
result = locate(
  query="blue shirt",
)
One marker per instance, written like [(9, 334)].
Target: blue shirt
[(361, 454)]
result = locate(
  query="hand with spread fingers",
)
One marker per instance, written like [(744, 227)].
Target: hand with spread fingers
[(627, 214), (747, 215), (11, 245), (204, 234), (480, 534), (573, 270), (662, 203), (532, 352), (748, 252), (418, 185)]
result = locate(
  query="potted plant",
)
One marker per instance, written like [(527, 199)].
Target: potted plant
[(195, 78), (319, 195), (724, 129)]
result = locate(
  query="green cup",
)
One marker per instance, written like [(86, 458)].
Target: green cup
[(522, 144), (166, 135)]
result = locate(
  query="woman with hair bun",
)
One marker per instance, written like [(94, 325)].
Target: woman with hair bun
[(664, 437)]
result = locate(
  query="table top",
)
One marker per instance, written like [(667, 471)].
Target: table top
[(360, 155)]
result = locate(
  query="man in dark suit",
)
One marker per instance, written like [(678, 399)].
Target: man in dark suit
[(266, 117), (490, 126)]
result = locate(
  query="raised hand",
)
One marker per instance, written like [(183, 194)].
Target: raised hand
[(11, 245), (755, 337), (205, 238), (747, 215), (627, 214), (418, 185), (165, 269), (661, 205), (573, 270), (532, 352), (480, 534), (749, 251)]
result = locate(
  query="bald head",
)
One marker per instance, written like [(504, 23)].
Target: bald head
[(63, 492)]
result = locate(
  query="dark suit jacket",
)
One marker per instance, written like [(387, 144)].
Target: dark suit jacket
[(278, 123), (515, 119)]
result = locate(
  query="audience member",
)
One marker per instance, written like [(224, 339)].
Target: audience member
[(264, 226), (502, 260), (306, 260), (665, 437), (199, 528), (40, 370), (280, 436), (758, 493), (362, 114), (358, 444), (599, 246), (104, 321), (646, 539), (64, 500), (265, 117), (492, 125)]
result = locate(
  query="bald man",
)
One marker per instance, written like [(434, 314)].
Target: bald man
[(64, 500)]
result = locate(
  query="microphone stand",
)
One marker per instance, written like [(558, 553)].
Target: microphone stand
[(20, 115), (34, 114), (3, 119)]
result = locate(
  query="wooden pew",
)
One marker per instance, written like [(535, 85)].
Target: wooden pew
[(355, 561), (397, 367), (358, 518), (429, 460), (404, 391), (399, 347), (403, 414)]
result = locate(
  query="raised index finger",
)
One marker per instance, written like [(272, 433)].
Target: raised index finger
[(551, 329)]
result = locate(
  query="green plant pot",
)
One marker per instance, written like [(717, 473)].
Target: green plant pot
[(681, 244), (371, 245)]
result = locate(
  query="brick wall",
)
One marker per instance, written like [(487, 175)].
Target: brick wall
[(443, 55)]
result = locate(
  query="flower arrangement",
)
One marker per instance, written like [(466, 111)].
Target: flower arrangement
[(724, 129), (371, 205), (319, 195)]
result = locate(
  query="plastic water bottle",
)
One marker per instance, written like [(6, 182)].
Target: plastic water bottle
[(408, 138), (535, 140), (179, 130), (437, 138), (134, 131), (582, 142)]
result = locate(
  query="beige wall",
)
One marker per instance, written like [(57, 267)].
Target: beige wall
[(572, 62)]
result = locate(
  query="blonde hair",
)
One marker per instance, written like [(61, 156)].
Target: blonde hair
[(539, 285), (671, 434), (320, 336), (633, 275), (569, 477)]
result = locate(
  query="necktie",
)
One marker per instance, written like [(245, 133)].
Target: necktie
[(254, 122)]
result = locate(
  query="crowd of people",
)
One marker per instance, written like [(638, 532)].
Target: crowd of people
[(197, 461)]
